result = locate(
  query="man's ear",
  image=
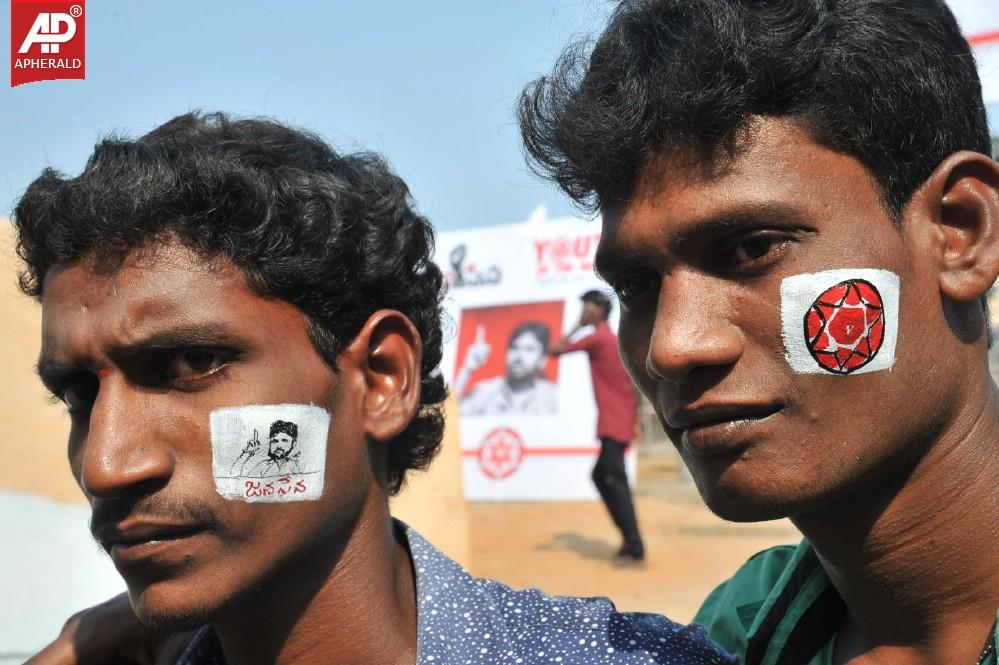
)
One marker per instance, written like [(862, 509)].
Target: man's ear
[(960, 200), (389, 355)]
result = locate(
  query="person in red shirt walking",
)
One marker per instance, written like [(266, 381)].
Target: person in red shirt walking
[(616, 409)]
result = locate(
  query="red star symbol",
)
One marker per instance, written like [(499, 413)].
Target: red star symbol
[(501, 453)]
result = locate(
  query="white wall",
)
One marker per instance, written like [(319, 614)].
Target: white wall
[(49, 569)]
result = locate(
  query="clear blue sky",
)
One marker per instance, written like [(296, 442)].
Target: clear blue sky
[(431, 84)]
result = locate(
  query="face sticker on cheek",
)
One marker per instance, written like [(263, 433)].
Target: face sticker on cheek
[(269, 452), (840, 321)]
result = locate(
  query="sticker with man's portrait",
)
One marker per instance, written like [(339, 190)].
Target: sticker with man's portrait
[(269, 452)]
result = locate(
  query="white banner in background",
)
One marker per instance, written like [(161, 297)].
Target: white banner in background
[(510, 287), (979, 20)]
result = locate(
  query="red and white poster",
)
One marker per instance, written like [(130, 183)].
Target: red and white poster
[(502, 362), (527, 420)]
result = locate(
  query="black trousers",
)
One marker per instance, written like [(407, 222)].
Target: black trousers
[(611, 479)]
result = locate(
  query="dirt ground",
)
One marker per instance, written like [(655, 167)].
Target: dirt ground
[(567, 548)]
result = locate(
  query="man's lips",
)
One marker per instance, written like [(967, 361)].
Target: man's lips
[(715, 429), (713, 414), (137, 539)]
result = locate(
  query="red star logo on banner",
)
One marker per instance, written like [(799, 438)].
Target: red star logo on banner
[(501, 453)]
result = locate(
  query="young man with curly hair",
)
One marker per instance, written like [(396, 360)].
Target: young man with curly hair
[(801, 219), (206, 281)]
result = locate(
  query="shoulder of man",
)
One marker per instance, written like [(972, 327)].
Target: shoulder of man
[(462, 617), (542, 628), (582, 340), (477, 399), (730, 611), (603, 336), (547, 389)]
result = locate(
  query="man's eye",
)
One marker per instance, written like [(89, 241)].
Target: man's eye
[(632, 286), (195, 363), (79, 394), (757, 249)]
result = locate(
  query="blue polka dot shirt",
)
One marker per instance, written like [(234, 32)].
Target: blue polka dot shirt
[(464, 620)]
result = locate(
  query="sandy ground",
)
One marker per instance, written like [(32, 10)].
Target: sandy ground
[(567, 548)]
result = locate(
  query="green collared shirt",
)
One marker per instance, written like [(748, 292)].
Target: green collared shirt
[(781, 609)]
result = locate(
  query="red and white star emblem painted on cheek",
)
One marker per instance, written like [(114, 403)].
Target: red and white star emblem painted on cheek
[(840, 322), (845, 326), (501, 453)]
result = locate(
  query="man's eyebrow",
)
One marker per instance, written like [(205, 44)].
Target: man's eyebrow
[(746, 215), (706, 229), (610, 260), (182, 336), (53, 371)]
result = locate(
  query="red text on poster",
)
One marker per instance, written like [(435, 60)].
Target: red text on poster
[(565, 256)]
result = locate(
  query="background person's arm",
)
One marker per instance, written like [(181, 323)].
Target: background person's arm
[(566, 345)]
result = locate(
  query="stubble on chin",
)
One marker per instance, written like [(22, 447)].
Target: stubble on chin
[(173, 620)]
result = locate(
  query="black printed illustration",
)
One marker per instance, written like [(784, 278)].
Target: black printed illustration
[(282, 457), (270, 452)]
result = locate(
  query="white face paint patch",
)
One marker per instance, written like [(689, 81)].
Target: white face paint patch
[(269, 452), (840, 321)]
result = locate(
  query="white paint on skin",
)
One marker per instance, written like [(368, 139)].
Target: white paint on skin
[(799, 292), (270, 453)]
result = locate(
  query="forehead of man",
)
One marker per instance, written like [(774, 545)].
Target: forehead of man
[(778, 172), (166, 296)]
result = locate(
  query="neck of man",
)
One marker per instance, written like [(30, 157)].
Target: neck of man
[(346, 602), (916, 557), (518, 385)]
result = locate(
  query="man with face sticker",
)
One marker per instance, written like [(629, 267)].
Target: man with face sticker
[(216, 277), (524, 390), (800, 217)]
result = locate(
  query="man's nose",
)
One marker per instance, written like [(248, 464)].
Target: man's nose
[(120, 452), (693, 330)]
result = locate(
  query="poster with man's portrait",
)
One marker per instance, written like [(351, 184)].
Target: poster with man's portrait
[(503, 366)]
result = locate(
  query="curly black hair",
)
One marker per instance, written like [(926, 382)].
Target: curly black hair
[(285, 427), (891, 83), (334, 234)]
